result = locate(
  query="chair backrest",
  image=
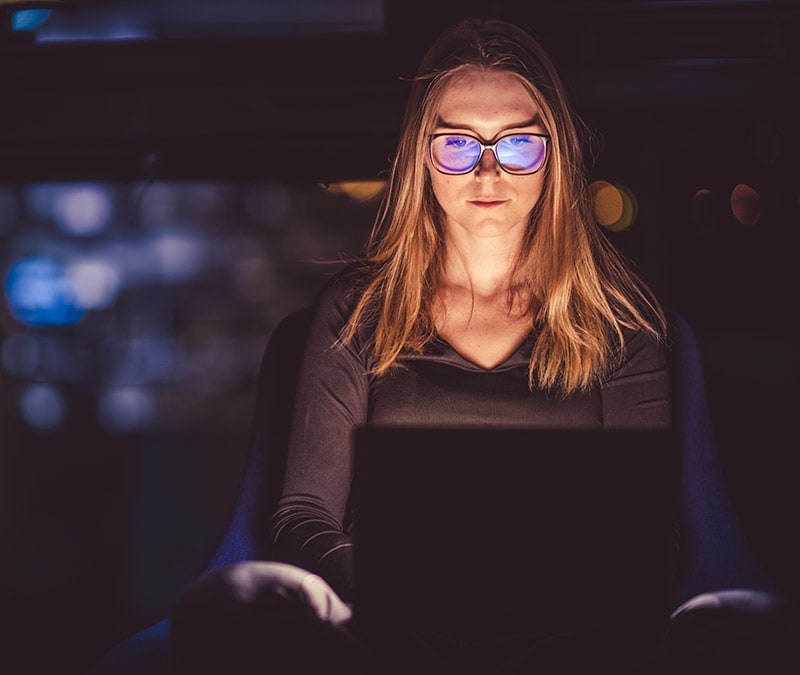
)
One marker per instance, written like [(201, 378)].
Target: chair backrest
[(247, 536), (715, 554)]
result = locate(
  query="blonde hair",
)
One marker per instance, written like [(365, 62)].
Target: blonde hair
[(582, 293)]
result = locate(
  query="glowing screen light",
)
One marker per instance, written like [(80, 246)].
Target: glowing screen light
[(39, 293)]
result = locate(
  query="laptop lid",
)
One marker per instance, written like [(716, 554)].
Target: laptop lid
[(554, 528)]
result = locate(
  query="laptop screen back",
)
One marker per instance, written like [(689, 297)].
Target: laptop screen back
[(553, 528)]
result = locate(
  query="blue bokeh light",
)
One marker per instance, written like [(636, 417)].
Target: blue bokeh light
[(21, 354), (43, 407), (40, 293), (29, 19)]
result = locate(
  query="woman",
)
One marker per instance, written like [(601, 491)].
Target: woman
[(485, 273), (485, 259)]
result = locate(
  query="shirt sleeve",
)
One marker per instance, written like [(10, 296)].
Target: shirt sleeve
[(308, 527), (636, 394)]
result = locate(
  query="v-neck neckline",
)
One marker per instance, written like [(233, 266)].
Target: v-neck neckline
[(514, 359)]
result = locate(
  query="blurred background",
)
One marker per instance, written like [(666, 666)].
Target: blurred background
[(176, 176)]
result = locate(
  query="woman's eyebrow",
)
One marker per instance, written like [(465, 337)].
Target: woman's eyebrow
[(443, 124)]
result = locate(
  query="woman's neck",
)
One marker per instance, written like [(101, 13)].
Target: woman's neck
[(479, 310), (481, 266)]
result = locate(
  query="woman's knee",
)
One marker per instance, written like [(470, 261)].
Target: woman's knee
[(232, 612), (736, 631), (260, 617)]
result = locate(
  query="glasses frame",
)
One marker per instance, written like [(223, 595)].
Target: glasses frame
[(484, 148)]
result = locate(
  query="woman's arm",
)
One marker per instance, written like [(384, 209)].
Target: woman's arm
[(332, 399), (637, 392)]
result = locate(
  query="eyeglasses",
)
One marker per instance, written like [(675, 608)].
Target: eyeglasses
[(517, 154)]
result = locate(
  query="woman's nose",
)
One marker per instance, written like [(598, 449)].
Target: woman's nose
[(487, 165)]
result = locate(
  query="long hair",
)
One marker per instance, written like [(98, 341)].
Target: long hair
[(581, 292)]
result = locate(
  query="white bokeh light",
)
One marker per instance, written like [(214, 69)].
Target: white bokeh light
[(126, 409), (178, 256), (95, 283), (83, 210)]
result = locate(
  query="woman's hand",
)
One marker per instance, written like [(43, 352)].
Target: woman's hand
[(327, 605), (313, 591)]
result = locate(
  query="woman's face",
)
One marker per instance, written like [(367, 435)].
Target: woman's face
[(487, 202)]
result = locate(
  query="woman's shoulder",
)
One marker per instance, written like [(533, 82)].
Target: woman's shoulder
[(338, 298), (344, 288), (642, 345)]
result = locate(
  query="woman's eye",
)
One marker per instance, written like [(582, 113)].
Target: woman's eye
[(519, 140), (456, 142)]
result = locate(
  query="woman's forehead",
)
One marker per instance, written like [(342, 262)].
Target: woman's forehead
[(486, 101)]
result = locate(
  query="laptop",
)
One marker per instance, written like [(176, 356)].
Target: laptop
[(472, 530)]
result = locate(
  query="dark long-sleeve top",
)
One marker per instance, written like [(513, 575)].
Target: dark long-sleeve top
[(337, 392)]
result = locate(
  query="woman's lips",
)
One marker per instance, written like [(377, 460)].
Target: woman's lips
[(487, 203)]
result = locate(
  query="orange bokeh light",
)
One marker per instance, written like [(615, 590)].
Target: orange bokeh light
[(746, 205), (614, 205)]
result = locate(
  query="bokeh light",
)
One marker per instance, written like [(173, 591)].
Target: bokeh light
[(607, 202), (205, 202), (705, 212), (359, 190), (256, 278), (83, 210), (126, 409), (158, 204), (171, 273), (29, 19), (178, 256), (43, 407), (21, 354), (44, 357), (95, 283), (39, 293), (614, 205), (746, 205), (39, 199), (79, 209), (268, 202), (9, 211)]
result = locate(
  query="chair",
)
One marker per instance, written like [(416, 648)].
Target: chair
[(715, 552), (147, 652), (715, 555)]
